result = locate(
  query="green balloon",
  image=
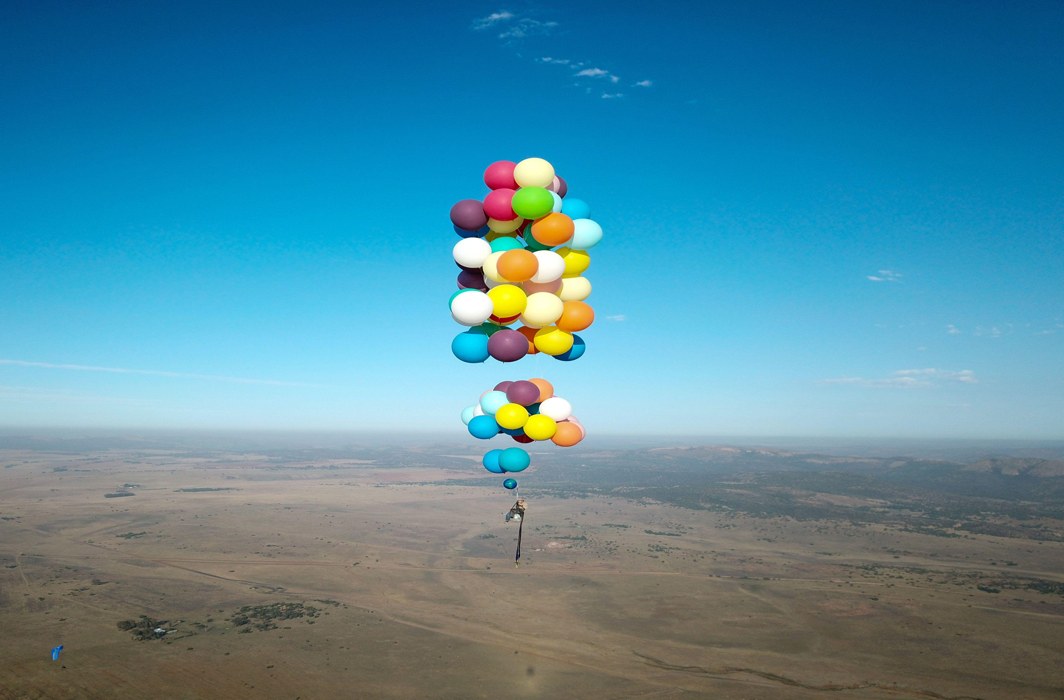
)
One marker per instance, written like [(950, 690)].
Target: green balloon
[(534, 245), (532, 202)]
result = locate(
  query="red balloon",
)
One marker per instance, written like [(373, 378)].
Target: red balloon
[(501, 174), (498, 206), (522, 438)]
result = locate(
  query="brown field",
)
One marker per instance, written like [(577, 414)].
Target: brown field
[(418, 597)]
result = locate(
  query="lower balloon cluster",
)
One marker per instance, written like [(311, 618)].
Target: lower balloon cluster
[(528, 411)]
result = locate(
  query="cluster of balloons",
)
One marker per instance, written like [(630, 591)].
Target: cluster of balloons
[(522, 255), (527, 410)]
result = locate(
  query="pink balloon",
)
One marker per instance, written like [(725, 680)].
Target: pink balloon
[(533, 287), (501, 174), (498, 206)]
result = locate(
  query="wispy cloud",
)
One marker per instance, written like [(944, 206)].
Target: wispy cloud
[(555, 61), (512, 26), (150, 372), (492, 20), (885, 276), (643, 83), (612, 95), (617, 317), (952, 329), (992, 331), (910, 379)]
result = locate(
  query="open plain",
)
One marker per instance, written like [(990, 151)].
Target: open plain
[(176, 572)]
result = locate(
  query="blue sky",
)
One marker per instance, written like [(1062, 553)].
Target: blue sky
[(821, 219)]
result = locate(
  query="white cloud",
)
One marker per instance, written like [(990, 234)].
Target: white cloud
[(592, 73), (513, 27), (555, 61), (150, 372), (885, 276), (643, 83), (492, 19), (952, 329), (910, 379), (612, 95), (992, 331), (617, 317)]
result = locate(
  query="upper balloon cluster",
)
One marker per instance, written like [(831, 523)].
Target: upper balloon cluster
[(522, 256)]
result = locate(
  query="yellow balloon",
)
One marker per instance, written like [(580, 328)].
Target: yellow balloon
[(543, 309), (511, 416), (540, 427), (575, 289), (508, 300), (505, 226), (491, 267), (576, 261), (552, 340), (534, 172)]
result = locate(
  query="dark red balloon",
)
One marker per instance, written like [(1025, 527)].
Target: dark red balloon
[(523, 392), (500, 174), (522, 438), (469, 214), (508, 345), (503, 386)]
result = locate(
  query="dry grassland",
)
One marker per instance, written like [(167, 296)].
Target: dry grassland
[(416, 594)]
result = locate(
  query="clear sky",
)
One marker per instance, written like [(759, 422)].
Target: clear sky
[(821, 218)]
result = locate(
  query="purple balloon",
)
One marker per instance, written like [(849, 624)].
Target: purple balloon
[(523, 392), (503, 386), (468, 214), (469, 279), (563, 188), (507, 345)]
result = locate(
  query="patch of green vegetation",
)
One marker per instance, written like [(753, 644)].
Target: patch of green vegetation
[(202, 489), (663, 533), (262, 617), (131, 535)]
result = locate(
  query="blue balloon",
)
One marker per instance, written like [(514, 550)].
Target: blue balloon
[(483, 427), (575, 352), (575, 208), (465, 233), (58, 649), (510, 484), (514, 459), (491, 461), (586, 234), (471, 345)]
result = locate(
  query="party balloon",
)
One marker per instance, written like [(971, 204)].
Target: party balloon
[(490, 269), (534, 245), (508, 300), (497, 205), (492, 401), (553, 340), (523, 393), (503, 320), (576, 316), (550, 266), (500, 174), (531, 288), (534, 172), (558, 202), (483, 230), (509, 484), (546, 389), (576, 208), (575, 289), (542, 309), (503, 386), (505, 226), (576, 261), (467, 414), (468, 214), (555, 407), (472, 307), (507, 345), (474, 279), (483, 427), (512, 416), (532, 202), (514, 459), (553, 229), (517, 264), (471, 252), (541, 427), (559, 185), (575, 352), (504, 244), (530, 335), (567, 434), (471, 346), (491, 461), (586, 234)]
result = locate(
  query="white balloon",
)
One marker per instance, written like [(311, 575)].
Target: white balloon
[(551, 266), (471, 252), (557, 408), (471, 308), (575, 289), (491, 267), (542, 309)]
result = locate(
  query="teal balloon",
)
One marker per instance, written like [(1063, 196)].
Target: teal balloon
[(534, 245), (510, 484), (492, 401), (504, 243), (586, 234), (532, 202), (575, 208), (489, 328), (491, 461), (471, 346), (514, 459), (483, 427)]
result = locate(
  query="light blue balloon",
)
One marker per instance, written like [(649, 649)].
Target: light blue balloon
[(492, 401), (586, 233), (504, 243), (491, 461), (470, 346), (576, 208), (483, 427), (467, 414), (557, 203), (514, 459), (510, 484)]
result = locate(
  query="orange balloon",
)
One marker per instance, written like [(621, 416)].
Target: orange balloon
[(553, 229), (576, 316), (546, 389), (518, 265), (567, 435), (530, 334)]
